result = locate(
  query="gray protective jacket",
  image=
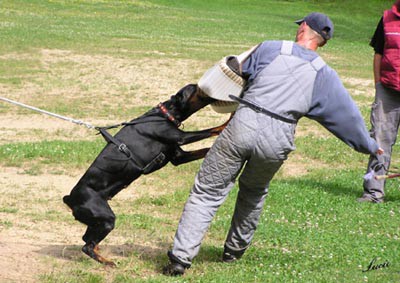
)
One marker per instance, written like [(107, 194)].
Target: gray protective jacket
[(311, 88)]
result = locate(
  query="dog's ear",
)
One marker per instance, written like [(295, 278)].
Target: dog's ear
[(183, 95), (173, 99)]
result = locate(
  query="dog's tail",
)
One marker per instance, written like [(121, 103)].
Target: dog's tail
[(67, 200)]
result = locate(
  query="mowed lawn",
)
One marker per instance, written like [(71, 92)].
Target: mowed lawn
[(109, 61)]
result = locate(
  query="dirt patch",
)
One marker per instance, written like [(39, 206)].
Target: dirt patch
[(18, 260), (360, 86), (26, 203), (72, 74)]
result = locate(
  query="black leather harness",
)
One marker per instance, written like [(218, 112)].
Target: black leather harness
[(122, 147)]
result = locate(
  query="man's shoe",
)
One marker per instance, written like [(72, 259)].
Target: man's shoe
[(366, 198), (227, 257), (174, 269), (230, 255)]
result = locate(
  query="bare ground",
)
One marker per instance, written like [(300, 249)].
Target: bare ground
[(31, 244)]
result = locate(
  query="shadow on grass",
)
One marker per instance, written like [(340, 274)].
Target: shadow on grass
[(333, 187), (113, 252), (343, 185), (155, 255)]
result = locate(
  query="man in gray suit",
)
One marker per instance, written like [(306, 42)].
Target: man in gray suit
[(285, 81)]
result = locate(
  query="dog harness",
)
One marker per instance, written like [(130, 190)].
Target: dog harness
[(123, 148)]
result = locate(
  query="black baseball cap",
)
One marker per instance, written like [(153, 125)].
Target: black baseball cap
[(320, 23)]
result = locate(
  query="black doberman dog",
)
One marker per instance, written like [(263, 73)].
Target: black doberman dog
[(142, 146)]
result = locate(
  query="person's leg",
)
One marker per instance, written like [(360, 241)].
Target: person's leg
[(212, 184), (385, 117), (253, 189)]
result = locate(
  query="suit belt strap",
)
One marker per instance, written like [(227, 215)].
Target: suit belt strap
[(261, 109)]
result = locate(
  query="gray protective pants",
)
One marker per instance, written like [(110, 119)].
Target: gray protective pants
[(385, 118), (253, 140)]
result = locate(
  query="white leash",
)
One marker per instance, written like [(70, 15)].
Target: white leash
[(79, 122)]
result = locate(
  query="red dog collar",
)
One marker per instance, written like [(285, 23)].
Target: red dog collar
[(169, 116)]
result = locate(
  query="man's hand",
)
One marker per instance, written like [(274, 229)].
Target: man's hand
[(380, 151)]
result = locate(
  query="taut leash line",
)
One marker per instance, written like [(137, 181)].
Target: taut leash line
[(75, 121)]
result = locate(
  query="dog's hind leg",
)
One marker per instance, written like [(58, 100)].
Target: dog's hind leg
[(104, 223), (93, 210), (92, 239)]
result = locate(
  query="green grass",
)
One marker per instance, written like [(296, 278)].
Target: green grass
[(312, 230), (65, 153), (188, 29)]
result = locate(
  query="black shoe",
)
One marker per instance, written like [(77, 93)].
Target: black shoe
[(366, 198), (174, 269), (230, 255)]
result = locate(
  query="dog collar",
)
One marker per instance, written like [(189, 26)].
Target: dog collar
[(168, 115)]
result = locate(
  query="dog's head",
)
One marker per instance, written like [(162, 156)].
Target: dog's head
[(187, 101)]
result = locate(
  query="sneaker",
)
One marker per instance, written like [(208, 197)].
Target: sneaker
[(367, 198), (174, 269), (229, 255)]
